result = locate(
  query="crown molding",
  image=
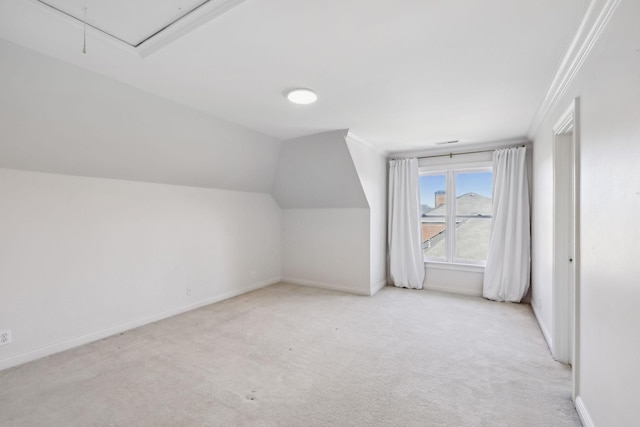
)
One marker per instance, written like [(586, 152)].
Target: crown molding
[(566, 123), (357, 139), (593, 23)]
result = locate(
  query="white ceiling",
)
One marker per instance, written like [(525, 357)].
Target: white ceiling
[(129, 21), (402, 74)]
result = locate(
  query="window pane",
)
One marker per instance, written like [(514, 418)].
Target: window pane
[(470, 223), (473, 214), (433, 194), (434, 243), (472, 238), (433, 214), (473, 193)]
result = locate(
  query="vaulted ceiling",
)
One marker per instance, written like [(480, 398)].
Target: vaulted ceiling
[(402, 74)]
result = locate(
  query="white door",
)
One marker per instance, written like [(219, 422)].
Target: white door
[(566, 241), (564, 244)]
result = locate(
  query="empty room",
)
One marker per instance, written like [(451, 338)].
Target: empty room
[(319, 213)]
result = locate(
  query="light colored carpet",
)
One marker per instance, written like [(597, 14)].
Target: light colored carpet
[(289, 355)]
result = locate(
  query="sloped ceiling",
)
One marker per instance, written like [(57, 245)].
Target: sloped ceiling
[(58, 118), (316, 172), (401, 74)]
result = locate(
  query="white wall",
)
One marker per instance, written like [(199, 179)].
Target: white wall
[(328, 248), (371, 166), (94, 256), (83, 258), (55, 117), (466, 280), (325, 216), (608, 85)]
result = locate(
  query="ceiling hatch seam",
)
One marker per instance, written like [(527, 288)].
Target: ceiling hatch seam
[(191, 19)]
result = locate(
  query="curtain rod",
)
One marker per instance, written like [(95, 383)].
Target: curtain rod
[(450, 155)]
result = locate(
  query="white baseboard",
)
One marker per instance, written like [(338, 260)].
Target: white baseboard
[(583, 413), (330, 286), (66, 344), (543, 328), (378, 287)]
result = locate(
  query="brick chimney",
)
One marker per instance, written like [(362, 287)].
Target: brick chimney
[(441, 197)]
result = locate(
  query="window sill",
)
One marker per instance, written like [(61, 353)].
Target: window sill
[(451, 266)]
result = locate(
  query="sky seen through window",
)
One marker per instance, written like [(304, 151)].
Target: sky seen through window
[(476, 182)]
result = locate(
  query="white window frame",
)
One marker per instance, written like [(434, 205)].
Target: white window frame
[(450, 172)]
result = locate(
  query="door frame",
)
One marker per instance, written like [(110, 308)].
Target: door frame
[(566, 257)]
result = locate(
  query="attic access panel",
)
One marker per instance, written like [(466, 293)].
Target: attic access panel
[(141, 22)]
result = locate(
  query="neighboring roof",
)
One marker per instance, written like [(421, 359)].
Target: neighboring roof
[(468, 204), (424, 209), (472, 237), (472, 234)]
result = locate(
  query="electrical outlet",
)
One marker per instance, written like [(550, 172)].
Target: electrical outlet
[(540, 303), (253, 274), (188, 291), (5, 337)]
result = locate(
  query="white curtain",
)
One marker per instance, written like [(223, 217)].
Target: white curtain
[(506, 275), (406, 262)]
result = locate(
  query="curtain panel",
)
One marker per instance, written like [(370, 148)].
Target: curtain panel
[(406, 261), (506, 275)]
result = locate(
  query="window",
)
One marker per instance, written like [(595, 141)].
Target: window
[(456, 211)]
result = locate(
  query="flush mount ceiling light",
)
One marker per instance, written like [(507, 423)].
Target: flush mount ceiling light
[(302, 96)]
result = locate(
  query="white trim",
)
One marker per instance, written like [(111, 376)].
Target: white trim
[(66, 344), (329, 286), (562, 234), (565, 123), (378, 287), (475, 268), (583, 413), (566, 242), (543, 328), (425, 168), (358, 140), (451, 173), (595, 20), (577, 361)]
